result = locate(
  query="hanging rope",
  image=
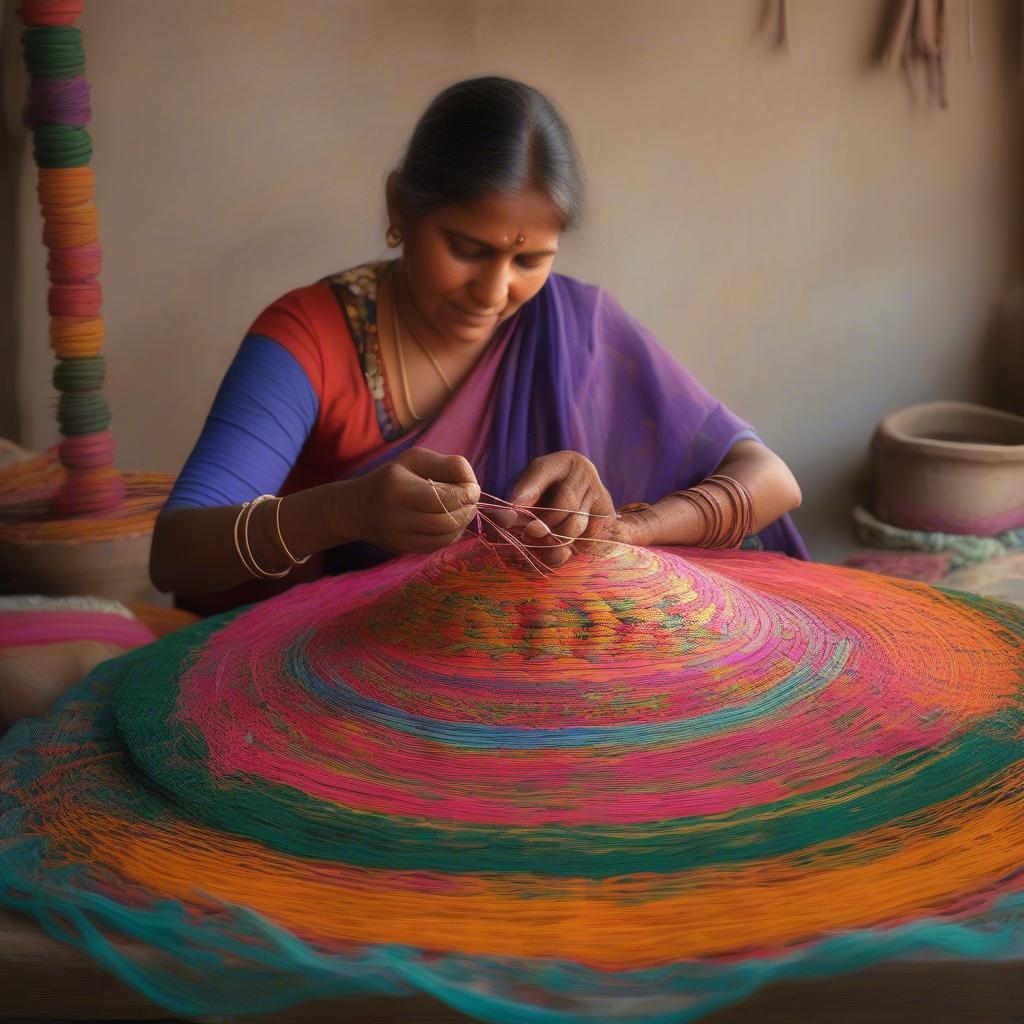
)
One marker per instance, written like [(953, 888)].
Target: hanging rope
[(919, 43)]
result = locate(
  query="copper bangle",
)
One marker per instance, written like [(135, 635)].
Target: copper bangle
[(724, 496), (694, 500), (715, 521), (725, 508), (732, 521), (742, 506)]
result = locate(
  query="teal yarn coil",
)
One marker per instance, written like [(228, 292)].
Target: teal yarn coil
[(53, 52), (86, 413), (77, 375), (59, 145)]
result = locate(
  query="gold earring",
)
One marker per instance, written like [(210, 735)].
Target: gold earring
[(394, 237)]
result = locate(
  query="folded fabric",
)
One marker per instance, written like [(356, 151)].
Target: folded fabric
[(963, 549)]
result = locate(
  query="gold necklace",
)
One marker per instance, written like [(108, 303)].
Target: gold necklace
[(403, 376)]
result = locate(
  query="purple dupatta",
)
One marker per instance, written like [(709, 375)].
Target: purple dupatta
[(572, 370)]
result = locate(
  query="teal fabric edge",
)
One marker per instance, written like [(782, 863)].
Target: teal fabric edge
[(393, 971)]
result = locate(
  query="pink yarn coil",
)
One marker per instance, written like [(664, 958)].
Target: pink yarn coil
[(87, 451), (49, 13), (80, 299), (78, 264)]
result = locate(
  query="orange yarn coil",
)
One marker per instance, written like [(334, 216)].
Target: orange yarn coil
[(72, 337), (65, 186), (68, 227)]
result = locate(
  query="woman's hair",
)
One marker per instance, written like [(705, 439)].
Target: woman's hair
[(488, 135)]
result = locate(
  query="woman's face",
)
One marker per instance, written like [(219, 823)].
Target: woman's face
[(469, 266)]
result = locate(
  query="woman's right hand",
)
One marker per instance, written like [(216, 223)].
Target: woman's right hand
[(398, 508)]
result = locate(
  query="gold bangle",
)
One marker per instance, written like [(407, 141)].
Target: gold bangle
[(238, 547), (257, 569), (280, 537)]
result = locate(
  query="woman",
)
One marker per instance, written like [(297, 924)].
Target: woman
[(381, 402)]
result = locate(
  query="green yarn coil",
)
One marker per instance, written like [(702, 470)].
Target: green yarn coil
[(86, 373), (86, 413), (59, 145), (53, 52)]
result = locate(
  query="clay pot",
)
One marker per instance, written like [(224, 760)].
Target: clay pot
[(951, 467)]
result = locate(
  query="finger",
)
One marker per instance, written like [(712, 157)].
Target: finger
[(419, 540), (602, 515), (543, 544), (430, 495), (436, 523), (448, 469), (537, 531), (499, 522), (559, 556), (506, 518), (458, 470), (553, 551), (511, 542), (569, 505), (490, 532), (538, 477), (534, 545)]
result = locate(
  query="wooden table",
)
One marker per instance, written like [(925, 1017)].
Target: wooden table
[(44, 980)]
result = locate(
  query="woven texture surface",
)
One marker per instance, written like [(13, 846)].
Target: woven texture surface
[(636, 790)]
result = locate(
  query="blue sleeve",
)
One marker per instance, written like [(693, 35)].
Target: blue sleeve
[(264, 411)]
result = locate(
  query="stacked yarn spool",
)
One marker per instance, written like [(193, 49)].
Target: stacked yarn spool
[(58, 111), (70, 523)]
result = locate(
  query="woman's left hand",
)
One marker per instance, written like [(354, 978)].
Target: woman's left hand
[(637, 525), (568, 484)]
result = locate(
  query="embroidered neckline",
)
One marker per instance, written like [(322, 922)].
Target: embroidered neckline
[(356, 291)]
